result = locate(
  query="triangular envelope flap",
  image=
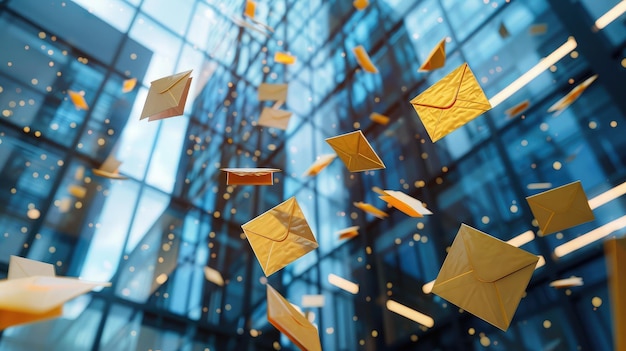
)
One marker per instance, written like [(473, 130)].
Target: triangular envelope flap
[(20, 267), (273, 224), (491, 258), (164, 84), (366, 150), (283, 307), (347, 142), (558, 200), (447, 90), (278, 114)]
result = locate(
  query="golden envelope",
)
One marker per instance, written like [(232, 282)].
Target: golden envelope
[(167, 97), (378, 118), (274, 118), (360, 4), (485, 276), (129, 85), (355, 152), (560, 208), (348, 233), (450, 103), (538, 29), (405, 203), (77, 191), (615, 251), (250, 176), (370, 209), (272, 92), (290, 322), (436, 58), (364, 60), (109, 169), (517, 109), (78, 100), (573, 95), (250, 8), (280, 236), (284, 58)]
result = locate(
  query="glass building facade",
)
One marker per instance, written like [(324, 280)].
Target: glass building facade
[(152, 235)]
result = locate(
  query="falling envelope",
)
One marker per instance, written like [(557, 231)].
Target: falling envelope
[(348, 233), (378, 191), (77, 191), (319, 164), (313, 301), (356, 152), (380, 119), (274, 118), (370, 209), (214, 276), (360, 4), (78, 100), (167, 97), (405, 203), (517, 109), (284, 58), (250, 176), (615, 254), (272, 92), (573, 95), (109, 169), (538, 29), (567, 283), (363, 59), (436, 59), (129, 85), (250, 9)]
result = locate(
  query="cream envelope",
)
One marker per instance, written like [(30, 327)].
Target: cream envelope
[(77, 191), (560, 208), (615, 252), (567, 283), (436, 59), (78, 100), (284, 58), (360, 4), (450, 103), (348, 233), (503, 31), (290, 322), (485, 276), (129, 85), (280, 236), (313, 301), (167, 97), (272, 92), (355, 152), (517, 109), (363, 59), (380, 119), (213, 275), (573, 95), (370, 209), (405, 203), (319, 164), (109, 169), (274, 118), (250, 176)]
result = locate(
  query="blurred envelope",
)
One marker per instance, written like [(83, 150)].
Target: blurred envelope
[(77, 191), (20, 267), (485, 276), (503, 31), (405, 203), (378, 191), (370, 209), (167, 97), (280, 236), (129, 85), (348, 233), (319, 164), (380, 119), (450, 103), (78, 100), (363, 59), (360, 4), (274, 118), (109, 168), (313, 301), (538, 29), (560, 208), (572, 96), (290, 322), (284, 58), (517, 109), (272, 92), (250, 176), (436, 58), (214, 276), (355, 152), (615, 253), (250, 9), (567, 283)]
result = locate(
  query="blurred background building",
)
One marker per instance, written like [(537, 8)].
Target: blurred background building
[(153, 234)]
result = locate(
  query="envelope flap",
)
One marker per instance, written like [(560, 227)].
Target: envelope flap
[(347, 143), (164, 84), (444, 93), (492, 259), (268, 91), (275, 223), (20, 267), (278, 305)]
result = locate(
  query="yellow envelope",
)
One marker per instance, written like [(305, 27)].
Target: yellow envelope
[(129, 85), (560, 208), (364, 60), (450, 103), (167, 97), (380, 119), (378, 191), (573, 95), (272, 92), (538, 29), (348, 233), (274, 118), (250, 176), (77, 191), (503, 31), (485, 276), (280, 236), (517, 109), (319, 164), (566, 283), (290, 322), (214, 276), (405, 203), (284, 58), (370, 209), (615, 251), (109, 169), (78, 100), (360, 4), (355, 152), (250, 9), (436, 58)]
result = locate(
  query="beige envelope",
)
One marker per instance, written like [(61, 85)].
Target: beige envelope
[(272, 92), (280, 236), (436, 59), (213, 275), (284, 58), (538, 29), (572, 96), (290, 322), (615, 251), (129, 85), (360, 4), (370, 209), (274, 118), (78, 100), (560, 208), (109, 169), (485, 276), (348, 233), (405, 203), (20, 267), (363, 59), (250, 176), (355, 152), (167, 97), (319, 164), (380, 119)]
